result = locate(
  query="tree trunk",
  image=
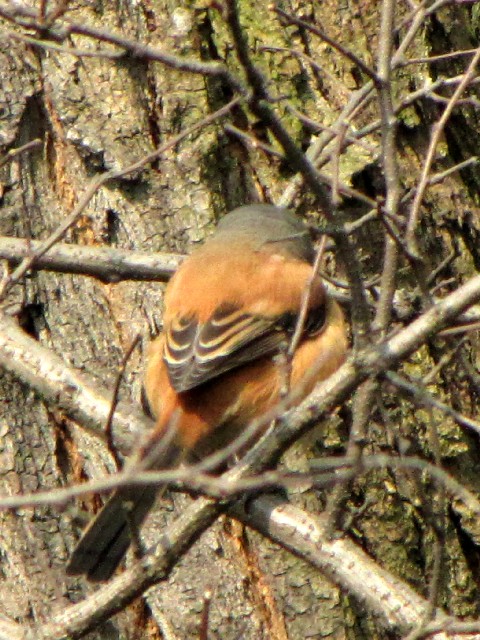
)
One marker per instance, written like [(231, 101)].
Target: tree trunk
[(103, 112)]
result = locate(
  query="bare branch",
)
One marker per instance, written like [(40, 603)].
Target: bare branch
[(98, 182), (396, 604), (333, 43), (105, 263), (23, 15), (427, 163)]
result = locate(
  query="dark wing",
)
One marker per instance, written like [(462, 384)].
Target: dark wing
[(195, 353)]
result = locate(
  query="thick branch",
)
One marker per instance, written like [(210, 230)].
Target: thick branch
[(82, 399), (397, 605), (14, 353), (105, 263)]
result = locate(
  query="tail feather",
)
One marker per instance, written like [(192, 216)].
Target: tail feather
[(106, 540)]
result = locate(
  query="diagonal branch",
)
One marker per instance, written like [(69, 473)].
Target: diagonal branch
[(15, 355)]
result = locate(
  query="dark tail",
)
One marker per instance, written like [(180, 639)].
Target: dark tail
[(107, 538)]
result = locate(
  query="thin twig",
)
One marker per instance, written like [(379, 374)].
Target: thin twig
[(326, 38), (13, 153), (116, 390), (21, 14), (437, 132), (99, 181), (259, 104)]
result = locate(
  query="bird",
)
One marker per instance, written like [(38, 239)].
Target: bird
[(230, 312)]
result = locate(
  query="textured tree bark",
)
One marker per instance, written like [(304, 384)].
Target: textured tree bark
[(94, 114)]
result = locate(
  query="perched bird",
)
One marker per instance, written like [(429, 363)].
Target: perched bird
[(230, 311)]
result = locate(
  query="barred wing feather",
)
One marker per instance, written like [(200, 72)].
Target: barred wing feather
[(196, 353)]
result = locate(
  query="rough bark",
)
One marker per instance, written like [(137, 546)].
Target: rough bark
[(94, 114)]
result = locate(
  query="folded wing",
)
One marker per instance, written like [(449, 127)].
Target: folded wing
[(196, 353)]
